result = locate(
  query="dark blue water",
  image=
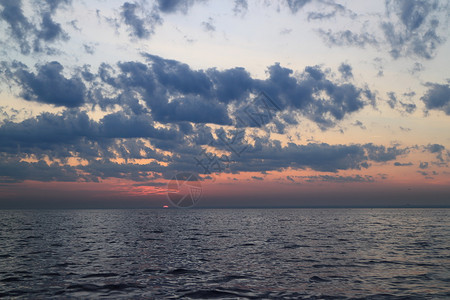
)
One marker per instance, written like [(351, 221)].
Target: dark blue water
[(236, 254)]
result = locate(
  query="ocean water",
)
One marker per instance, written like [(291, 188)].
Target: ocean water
[(226, 254)]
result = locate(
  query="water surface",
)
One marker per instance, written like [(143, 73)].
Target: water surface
[(221, 253)]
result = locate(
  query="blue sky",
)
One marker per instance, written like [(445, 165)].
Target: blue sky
[(108, 100)]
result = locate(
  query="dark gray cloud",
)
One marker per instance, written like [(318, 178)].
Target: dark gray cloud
[(392, 101), (439, 151), (408, 107), (320, 15), (435, 148), (34, 32), (142, 18), (19, 25), (313, 94), (18, 171), (45, 130), (359, 124), (50, 31), (175, 92), (399, 164), (329, 10), (193, 109), (416, 68), (383, 154), (231, 84), (140, 27), (103, 169), (171, 6), (339, 179), (413, 27), (290, 178), (50, 86), (348, 38), (346, 71), (423, 165), (167, 106), (120, 125), (437, 97), (403, 107), (296, 5), (89, 49), (48, 130), (120, 136), (266, 155), (240, 7), (54, 4)]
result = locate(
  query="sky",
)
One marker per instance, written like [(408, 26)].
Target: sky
[(285, 103)]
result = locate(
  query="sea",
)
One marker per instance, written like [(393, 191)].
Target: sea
[(225, 254)]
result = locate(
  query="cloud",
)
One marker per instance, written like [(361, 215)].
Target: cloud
[(72, 134), (209, 25), (339, 179), (231, 84), (423, 165), (240, 7), (348, 38), (50, 31), (34, 31), (165, 116), (359, 124), (408, 107), (320, 157), (437, 97), (45, 130), (439, 150), (142, 18), (383, 154), (405, 129), (409, 28), (392, 101), (192, 109), (313, 94), (140, 27), (89, 49), (435, 148), (399, 164), (416, 68), (285, 31), (18, 171), (175, 92), (120, 125), (267, 155), (346, 71), (296, 5), (404, 107), (171, 6), (50, 86), (423, 173), (413, 27), (330, 10), (19, 25)]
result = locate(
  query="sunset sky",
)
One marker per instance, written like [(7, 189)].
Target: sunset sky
[(271, 103)]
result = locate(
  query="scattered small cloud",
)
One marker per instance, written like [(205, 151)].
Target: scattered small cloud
[(209, 25), (399, 164)]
